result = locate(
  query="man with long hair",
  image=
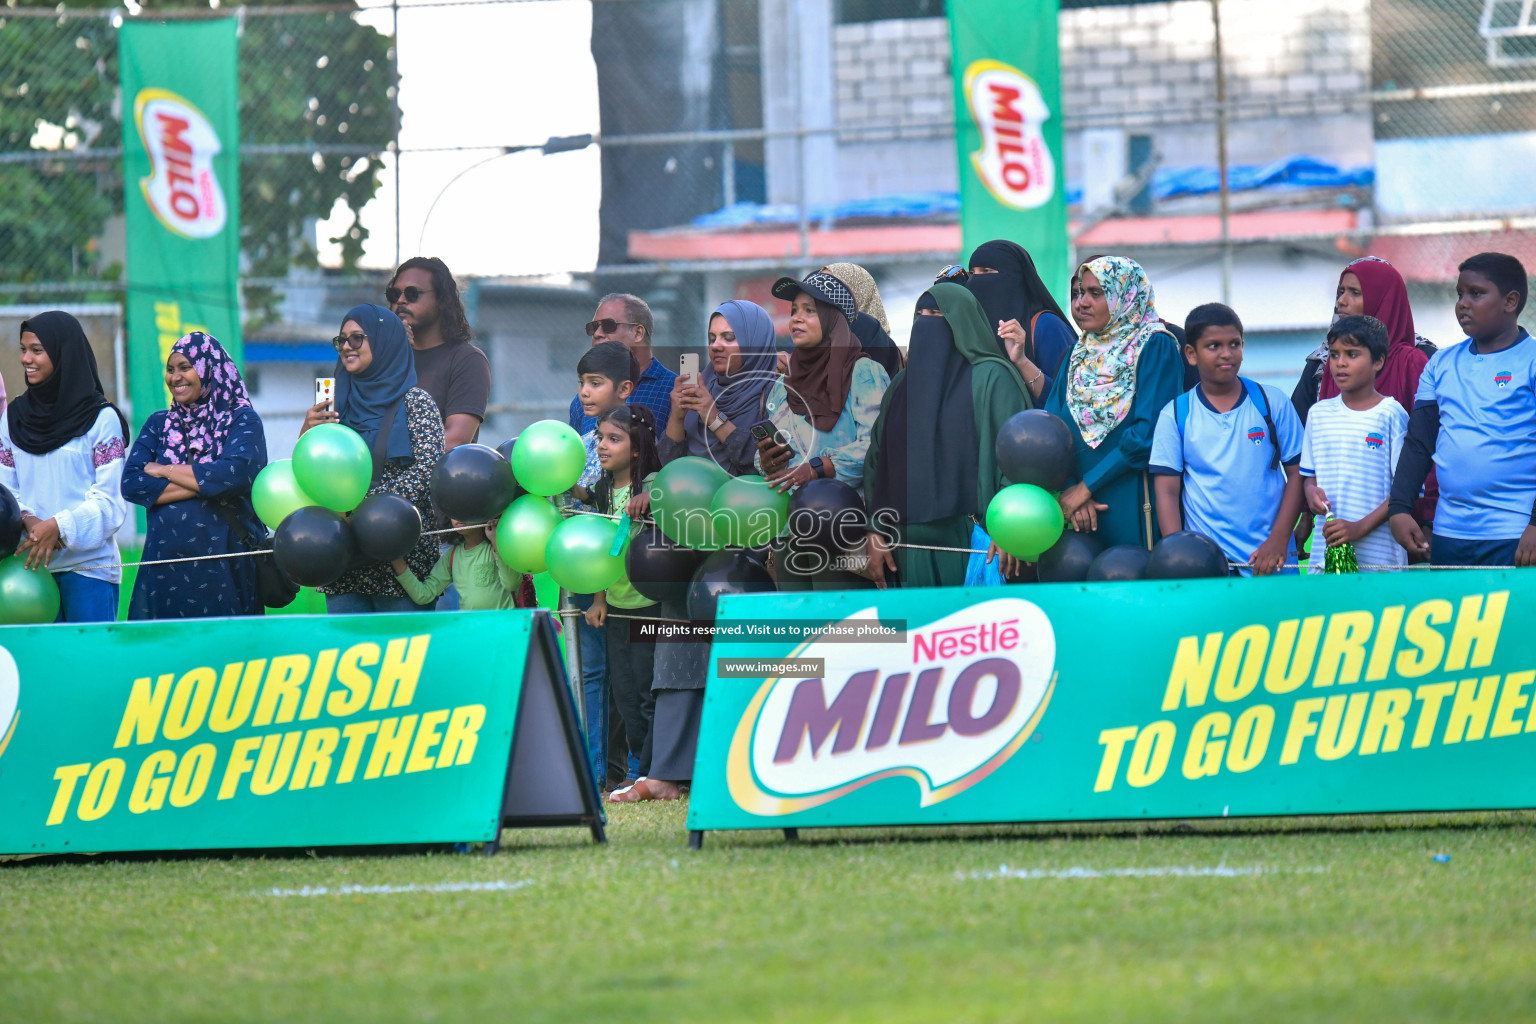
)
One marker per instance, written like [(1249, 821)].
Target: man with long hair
[(454, 372)]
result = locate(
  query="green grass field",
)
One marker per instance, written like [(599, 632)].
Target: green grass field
[(1337, 919)]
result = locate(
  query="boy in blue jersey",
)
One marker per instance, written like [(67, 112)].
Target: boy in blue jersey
[(1225, 453), (1474, 417)]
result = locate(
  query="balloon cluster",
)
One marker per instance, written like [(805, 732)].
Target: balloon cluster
[(1076, 558), (1035, 451), (305, 501), (544, 460)]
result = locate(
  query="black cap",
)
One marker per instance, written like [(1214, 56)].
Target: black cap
[(821, 286)]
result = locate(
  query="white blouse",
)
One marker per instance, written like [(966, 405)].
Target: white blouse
[(78, 484)]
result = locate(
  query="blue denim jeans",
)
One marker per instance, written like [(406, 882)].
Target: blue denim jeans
[(594, 688), (85, 598), (1455, 551), (362, 604)]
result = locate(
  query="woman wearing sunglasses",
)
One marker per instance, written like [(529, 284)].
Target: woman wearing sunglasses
[(377, 396)]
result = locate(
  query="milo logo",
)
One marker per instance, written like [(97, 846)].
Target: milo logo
[(1013, 162), (945, 710), (182, 189)]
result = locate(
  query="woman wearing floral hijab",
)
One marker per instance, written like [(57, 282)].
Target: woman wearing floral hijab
[(192, 468), (1116, 380)]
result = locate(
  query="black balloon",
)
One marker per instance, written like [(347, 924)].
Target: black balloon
[(1186, 555), (660, 568), (386, 527), (828, 515), (1037, 447), (313, 546), (505, 451), (11, 529), (1068, 560), (1123, 562), (473, 483), (725, 572)]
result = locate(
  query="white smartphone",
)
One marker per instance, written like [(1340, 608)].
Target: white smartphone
[(688, 366), (325, 389)]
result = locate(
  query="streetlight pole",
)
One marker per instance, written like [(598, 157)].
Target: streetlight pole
[(554, 144), (1225, 194)]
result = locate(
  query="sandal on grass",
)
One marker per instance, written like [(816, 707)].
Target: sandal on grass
[(644, 789)]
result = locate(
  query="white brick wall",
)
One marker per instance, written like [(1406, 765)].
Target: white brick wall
[(893, 71), (1298, 58)]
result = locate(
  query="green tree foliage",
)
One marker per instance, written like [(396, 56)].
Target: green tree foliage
[(316, 112)]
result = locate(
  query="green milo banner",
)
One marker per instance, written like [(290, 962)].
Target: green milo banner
[(1008, 128), (181, 164), (1390, 692), (291, 732)]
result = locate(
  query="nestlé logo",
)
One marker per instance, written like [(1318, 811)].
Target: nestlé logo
[(945, 710)]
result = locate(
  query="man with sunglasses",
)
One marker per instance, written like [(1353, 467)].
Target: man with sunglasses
[(627, 319), (424, 295)]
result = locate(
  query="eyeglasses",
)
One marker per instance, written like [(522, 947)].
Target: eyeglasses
[(952, 273), (353, 341), (608, 326), (411, 293)]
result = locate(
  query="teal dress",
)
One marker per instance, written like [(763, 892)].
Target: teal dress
[(1116, 470)]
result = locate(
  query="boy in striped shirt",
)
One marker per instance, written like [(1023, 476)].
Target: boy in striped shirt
[(1350, 448)]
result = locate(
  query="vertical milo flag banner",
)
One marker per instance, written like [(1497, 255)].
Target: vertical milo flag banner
[(181, 162), (1008, 128)]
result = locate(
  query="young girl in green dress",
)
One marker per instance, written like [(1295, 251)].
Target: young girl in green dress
[(626, 451)]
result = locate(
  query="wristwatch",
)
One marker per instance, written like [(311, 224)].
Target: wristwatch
[(716, 423), (816, 465)]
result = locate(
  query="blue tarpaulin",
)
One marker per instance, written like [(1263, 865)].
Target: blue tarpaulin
[(1288, 173)]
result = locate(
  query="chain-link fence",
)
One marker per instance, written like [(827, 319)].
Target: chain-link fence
[(699, 148)]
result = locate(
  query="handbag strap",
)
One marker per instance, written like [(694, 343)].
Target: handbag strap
[(381, 439), (1146, 507), (241, 533)]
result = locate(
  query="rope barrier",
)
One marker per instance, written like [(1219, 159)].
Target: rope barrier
[(605, 515)]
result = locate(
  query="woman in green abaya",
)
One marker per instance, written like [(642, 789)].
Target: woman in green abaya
[(932, 466)]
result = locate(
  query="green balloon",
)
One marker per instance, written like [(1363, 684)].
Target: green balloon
[(747, 513), (681, 498), (524, 531), (276, 493), (578, 554), (1024, 520), (27, 596), (332, 464), (549, 458)]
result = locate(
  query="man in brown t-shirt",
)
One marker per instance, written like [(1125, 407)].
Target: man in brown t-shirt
[(454, 372)]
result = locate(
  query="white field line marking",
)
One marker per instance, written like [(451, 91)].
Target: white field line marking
[(379, 890), (1178, 871)]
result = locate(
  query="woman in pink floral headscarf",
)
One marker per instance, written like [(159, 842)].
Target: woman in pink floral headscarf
[(1116, 380), (192, 467)]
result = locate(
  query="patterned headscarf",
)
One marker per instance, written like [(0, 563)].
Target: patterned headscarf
[(866, 295), (196, 432), (1101, 374)]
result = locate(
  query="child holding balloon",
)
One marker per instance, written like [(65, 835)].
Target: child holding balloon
[(626, 451), (483, 580)]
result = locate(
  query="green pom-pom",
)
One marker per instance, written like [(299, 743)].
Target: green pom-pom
[(1340, 558)]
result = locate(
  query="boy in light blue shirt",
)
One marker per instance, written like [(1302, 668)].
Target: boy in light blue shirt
[(1475, 416), (1225, 453)]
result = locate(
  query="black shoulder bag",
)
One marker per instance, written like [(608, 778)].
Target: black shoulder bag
[(273, 586)]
